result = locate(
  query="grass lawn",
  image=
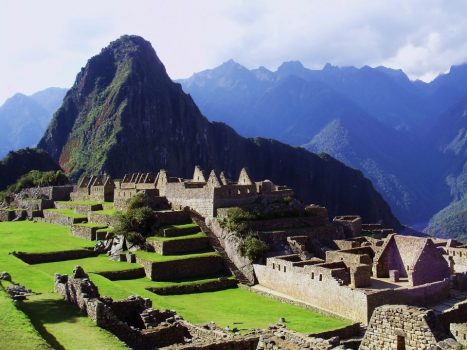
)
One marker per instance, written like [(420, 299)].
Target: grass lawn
[(191, 224), (16, 328), (70, 213), (233, 307), (154, 257), (165, 239), (64, 326)]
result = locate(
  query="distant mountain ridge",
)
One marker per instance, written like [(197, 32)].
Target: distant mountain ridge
[(374, 119), (25, 118), (124, 114)]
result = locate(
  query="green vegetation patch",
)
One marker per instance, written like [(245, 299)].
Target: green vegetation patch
[(231, 307), (234, 307), (16, 330), (92, 225), (177, 238), (154, 257), (111, 212), (64, 326), (69, 213)]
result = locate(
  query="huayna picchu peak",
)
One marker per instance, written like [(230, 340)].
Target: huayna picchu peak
[(124, 114)]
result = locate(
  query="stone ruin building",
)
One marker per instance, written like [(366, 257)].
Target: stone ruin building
[(362, 273), (205, 194), (401, 327), (95, 187), (134, 321), (135, 183), (344, 267)]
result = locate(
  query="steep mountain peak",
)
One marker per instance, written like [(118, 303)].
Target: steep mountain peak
[(291, 68)]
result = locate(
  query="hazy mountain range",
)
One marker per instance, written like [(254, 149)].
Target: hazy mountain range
[(25, 118), (407, 136)]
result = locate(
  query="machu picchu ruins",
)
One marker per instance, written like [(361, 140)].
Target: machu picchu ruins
[(271, 175), (342, 268)]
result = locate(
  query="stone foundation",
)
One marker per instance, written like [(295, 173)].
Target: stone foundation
[(89, 233), (185, 268), (180, 246)]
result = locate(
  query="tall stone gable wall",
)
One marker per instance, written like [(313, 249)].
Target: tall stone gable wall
[(200, 200), (430, 266)]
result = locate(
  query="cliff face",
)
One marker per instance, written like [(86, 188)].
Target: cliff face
[(124, 114)]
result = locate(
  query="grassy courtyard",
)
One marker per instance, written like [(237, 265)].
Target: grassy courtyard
[(233, 307)]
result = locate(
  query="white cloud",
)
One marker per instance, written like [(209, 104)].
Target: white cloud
[(45, 43)]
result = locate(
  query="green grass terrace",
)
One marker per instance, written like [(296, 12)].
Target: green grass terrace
[(65, 328)]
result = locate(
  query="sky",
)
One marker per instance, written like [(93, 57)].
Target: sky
[(45, 43)]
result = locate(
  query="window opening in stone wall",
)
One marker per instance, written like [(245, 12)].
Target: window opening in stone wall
[(400, 342), (320, 277), (285, 269), (312, 275)]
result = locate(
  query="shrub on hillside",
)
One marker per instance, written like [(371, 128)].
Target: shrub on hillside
[(36, 178), (138, 201), (252, 247), (137, 222), (236, 220)]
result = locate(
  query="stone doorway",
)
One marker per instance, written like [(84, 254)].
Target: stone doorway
[(400, 342)]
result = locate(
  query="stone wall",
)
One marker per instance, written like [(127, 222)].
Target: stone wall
[(131, 320), (320, 287), (54, 217), (39, 258), (459, 256), (184, 268), (102, 219), (78, 208), (402, 327), (87, 232), (459, 332), (123, 274), (230, 244), (198, 199), (222, 283), (325, 294), (180, 246), (286, 223), (54, 193)]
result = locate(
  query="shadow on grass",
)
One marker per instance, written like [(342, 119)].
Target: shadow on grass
[(49, 311)]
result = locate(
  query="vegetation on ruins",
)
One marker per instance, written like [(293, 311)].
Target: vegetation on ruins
[(252, 247), (36, 178), (236, 221), (20, 162), (137, 222)]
